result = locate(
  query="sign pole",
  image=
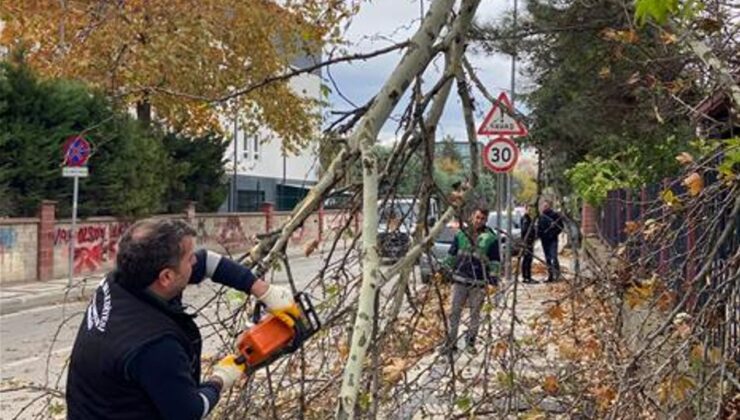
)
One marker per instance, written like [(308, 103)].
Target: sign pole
[(73, 230)]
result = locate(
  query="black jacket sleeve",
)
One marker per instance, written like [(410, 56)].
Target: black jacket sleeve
[(162, 369), (221, 270)]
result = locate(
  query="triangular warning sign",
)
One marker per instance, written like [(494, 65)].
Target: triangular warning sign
[(498, 121)]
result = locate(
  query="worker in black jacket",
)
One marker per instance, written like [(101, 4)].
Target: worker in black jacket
[(137, 354), (549, 227), (529, 234)]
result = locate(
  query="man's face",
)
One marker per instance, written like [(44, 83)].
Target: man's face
[(478, 219), (185, 267)]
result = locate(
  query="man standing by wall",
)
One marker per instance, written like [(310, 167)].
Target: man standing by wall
[(549, 226), (474, 258)]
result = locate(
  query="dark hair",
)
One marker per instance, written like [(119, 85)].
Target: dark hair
[(147, 247), (480, 209)]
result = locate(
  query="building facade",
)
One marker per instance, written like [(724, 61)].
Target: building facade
[(257, 168)]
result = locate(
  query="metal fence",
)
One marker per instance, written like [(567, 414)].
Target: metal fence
[(680, 250)]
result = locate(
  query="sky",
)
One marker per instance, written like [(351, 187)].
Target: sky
[(381, 23)]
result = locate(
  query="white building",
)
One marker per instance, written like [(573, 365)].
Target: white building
[(262, 172)]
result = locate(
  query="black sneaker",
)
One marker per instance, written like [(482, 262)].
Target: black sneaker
[(528, 281)]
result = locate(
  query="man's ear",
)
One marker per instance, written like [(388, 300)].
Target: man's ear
[(166, 278)]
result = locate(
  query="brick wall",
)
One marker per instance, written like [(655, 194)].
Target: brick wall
[(39, 248), (18, 249)]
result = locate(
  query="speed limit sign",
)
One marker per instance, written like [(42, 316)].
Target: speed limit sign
[(500, 155)]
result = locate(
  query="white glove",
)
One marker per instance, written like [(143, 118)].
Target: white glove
[(228, 371), (279, 302)]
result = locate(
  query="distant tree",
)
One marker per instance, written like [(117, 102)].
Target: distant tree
[(129, 169), (176, 60), (201, 174)]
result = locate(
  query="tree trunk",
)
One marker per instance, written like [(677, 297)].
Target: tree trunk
[(144, 112), (413, 63)]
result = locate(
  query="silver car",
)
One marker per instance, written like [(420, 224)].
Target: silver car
[(431, 261)]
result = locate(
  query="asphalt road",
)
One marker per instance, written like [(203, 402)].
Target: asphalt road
[(35, 344)]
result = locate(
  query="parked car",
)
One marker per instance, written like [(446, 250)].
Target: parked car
[(516, 228), (396, 223), (431, 261)]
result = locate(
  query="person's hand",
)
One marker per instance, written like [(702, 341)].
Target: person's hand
[(279, 302), (228, 371)]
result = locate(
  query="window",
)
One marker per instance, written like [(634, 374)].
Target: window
[(245, 149), (249, 200)]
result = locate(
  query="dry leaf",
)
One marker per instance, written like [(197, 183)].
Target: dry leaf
[(592, 347), (631, 227), (568, 350), (675, 389), (499, 349), (310, 247), (555, 312), (551, 385), (640, 293), (393, 372), (668, 38), (605, 395), (695, 183), (605, 72), (684, 158), (666, 300)]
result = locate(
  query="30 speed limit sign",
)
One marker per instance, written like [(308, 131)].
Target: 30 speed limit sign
[(500, 155)]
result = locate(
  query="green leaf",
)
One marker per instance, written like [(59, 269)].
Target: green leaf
[(464, 403), (657, 10)]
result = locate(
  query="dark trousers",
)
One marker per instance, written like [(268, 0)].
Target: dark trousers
[(527, 256), (551, 257)]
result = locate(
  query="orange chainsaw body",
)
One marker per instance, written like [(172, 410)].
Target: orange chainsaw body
[(264, 340)]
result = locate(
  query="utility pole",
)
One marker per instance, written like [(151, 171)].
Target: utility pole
[(234, 188)]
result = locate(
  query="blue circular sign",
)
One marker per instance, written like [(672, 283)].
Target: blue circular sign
[(76, 151)]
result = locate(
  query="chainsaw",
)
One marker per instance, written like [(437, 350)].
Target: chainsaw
[(271, 338)]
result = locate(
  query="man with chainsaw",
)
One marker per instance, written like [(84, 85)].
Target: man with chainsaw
[(474, 260), (137, 352)]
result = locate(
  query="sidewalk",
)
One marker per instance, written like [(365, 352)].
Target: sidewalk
[(21, 296)]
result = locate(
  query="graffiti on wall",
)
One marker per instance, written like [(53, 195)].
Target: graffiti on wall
[(8, 239), (95, 244), (227, 232)]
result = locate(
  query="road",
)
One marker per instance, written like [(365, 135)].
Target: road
[(35, 344)]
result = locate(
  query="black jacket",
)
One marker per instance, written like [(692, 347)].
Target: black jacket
[(529, 229), (117, 324), (549, 225)]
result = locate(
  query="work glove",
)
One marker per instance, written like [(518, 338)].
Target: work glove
[(228, 370), (279, 302)]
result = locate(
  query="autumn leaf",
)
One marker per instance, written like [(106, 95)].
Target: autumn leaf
[(640, 293), (669, 198), (684, 158), (631, 227), (310, 247), (499, 349), (605, 72), (666, 300), (604, 395), (568, 350), (393, 372), (668, 38), (551, 385), (675, 388), (555, 312), (695, 183)]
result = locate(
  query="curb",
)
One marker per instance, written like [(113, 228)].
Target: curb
[(77, 293)]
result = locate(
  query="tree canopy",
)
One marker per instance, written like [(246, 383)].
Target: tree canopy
[(180, 60), (132, 172)]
